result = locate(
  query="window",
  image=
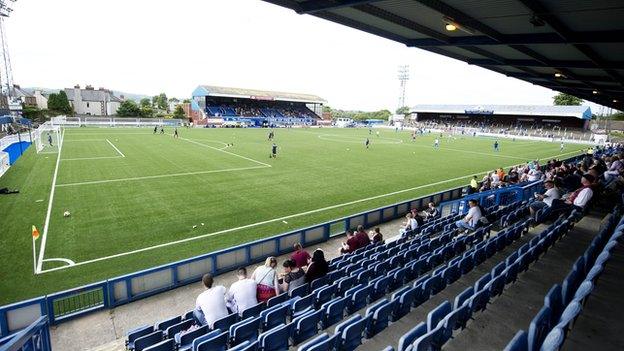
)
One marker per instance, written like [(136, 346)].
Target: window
[(87, 105)]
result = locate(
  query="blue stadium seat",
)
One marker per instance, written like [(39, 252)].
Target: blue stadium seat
[(186, 339), (253, 311), (323, 342), (479, 256), (408, 338), (273, 316), (569, 286), (496, 285), (137, 333), (404, 303), (583, 292), (511, 272), (539, 327), (300, 291), (323, 294), (379, 287), (350, 333), (277, 300), (480, 284), (245, 346), (302, 305), (437, 314), (568, 316), (478, 301), (463, 313), (345, 284), (398, 278), (519, 342), (433, 285), (364, 276), (553, 301), (245, 330), (498, 269), (451, 273), (165, 345), (318, 282), (306, 326), (275, 339), (163, 325), (379, 317), (359, 299), (429, 341), (333, 311), (176, 328), (554, 340), (466, 264), (213, 341), (225, 322), (148, 340)]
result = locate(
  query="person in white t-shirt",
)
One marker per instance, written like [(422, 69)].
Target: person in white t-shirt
[(210, 304), (472, 218), (546, 199), (242, 293), (411, 224)]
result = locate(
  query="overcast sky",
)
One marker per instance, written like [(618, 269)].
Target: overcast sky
[(145, 47)]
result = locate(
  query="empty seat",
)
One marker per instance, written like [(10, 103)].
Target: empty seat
[(324, 294), (345, 284), (300, 291), (163, 325), (539, 327), (273, 317), (359, 299), (378, 318), (480, 284), (176, 328), (496, 285), (552, 300), (333, 311), (437, 314), (379, 287), (165, 345), (245, 330), (478, 301), (302, 305), (404, 303), (518, 343), (429, 341), (253, 311), (137, 333), (553, 341), (245, 346), (148, 340), (318, 282), (275, 339), (323, 342), (186, 338), (213, 341), (408, 338), (350, 333), (306, 326), (225, 322), (276, 300)]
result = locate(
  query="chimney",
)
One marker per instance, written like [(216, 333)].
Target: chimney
[(122, 97), (16, 86), (89, 87), (77, 86)]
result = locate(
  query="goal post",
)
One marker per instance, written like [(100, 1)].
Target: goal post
[(4, 162), (47, 138)]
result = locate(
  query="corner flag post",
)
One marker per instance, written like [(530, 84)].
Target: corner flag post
[(35, 236)]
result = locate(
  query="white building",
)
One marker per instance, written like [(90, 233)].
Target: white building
[(89, 101), (41, 99)]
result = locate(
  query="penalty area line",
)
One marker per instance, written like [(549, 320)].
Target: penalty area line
[(251, 225), (116, 149)]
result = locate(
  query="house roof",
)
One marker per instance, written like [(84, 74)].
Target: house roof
[(19, 92), (92, 95), (583, 112), (211, 90), (572, 46)]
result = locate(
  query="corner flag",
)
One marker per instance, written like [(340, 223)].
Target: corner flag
[(35, 233)]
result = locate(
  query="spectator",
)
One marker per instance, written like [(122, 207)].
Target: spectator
[(410, 224), (210, 304), (546, 199), (474, 185), (352, 243), (265, 277), (430, 212), (614, 168), (242, 293), (377, 236), (362, 236), (472, 218), (318, 267), (300, 256), (578, 199), (292, 277)]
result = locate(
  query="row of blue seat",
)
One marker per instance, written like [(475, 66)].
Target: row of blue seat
[(563, 303)]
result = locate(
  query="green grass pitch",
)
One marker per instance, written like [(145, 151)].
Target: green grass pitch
[(138, 200)]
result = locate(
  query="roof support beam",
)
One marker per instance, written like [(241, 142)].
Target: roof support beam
[(541, 11), (313, 6), (535, 63), (597, 79), (529, 38)]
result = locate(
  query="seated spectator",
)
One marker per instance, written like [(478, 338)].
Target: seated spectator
[(242, 293), (318, 267), (377, 236), (474, 185), (362, 236), (265, 277), (614, 169), (210, 304), (430, 212), (292, 277), (410, 224), (300, 256), (352, 243), (546, 199), (578, 199), (471, 220)]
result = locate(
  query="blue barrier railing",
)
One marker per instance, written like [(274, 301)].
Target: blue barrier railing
[(35, 337), (110, 293)]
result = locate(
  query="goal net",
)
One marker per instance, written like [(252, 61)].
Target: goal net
[(47, 138)]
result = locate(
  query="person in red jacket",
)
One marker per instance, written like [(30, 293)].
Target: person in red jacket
[(300, 256)]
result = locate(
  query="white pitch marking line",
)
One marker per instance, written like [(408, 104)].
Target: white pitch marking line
[(227, 152), (49, 212), (66, 260), (84, 140), (159, 176), (89, 158), (115, 147), (280, 219)]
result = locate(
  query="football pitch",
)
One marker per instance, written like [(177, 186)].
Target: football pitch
[(138, 199)]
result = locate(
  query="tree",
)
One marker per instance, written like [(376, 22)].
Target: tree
[(179, 112), (186, 101), (160, 101), (404, 110), (127, 108), (563, 99), (147, 111), (145, 102), (58, 103)]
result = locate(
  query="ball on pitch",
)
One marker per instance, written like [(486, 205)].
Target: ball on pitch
[(66, 214)]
